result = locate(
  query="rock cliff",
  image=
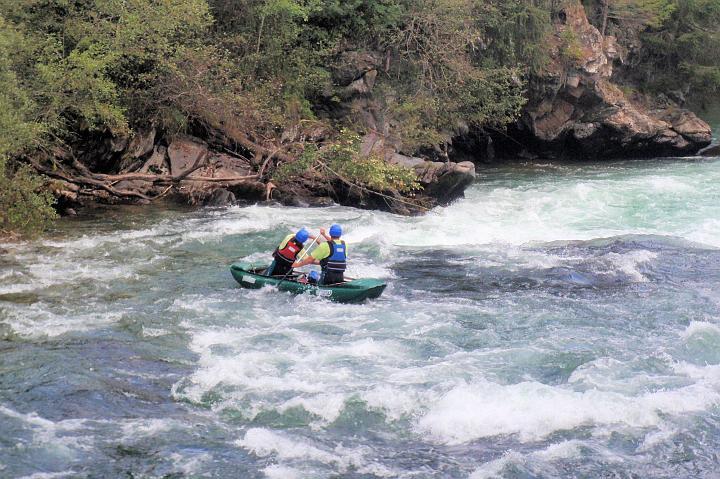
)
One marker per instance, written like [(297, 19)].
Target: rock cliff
[(575, 110)]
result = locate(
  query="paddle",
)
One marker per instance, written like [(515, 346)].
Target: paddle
[(305, 252)]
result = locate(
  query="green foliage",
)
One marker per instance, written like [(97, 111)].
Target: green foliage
[(688, 44), (24, 208), (450, 73), (341, 159), (571, 49), (88, 62), (680, 41), (18, 127), (513, 32)]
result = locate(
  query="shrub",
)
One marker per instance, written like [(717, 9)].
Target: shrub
[(342, 160), (25, 208)]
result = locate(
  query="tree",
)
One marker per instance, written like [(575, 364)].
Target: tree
[(680, 41)]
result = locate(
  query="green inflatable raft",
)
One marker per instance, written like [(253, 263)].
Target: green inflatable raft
[(250, 276)]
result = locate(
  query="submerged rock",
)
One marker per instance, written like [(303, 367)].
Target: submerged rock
[(142, 143), (712, 150), (220, 197)]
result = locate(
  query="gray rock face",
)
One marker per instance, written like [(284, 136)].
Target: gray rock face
[(444, 182), (449, 181), (351, 65), (142, 144), (575, 107), (184, 152), (157, 163)]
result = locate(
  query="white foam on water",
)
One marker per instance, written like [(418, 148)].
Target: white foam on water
[(190, 465), (366, 269), (493, 469), (665, 184), (159, 234), (709, 373), (316, 384), (552, 209), (560, 451), (18, 287), (45, 271), (226, 227), (661, 435), (535, 461), (707, 231), (628, 263), (277, 471), (394, 402), (134, 429), (264, 442), (533, 410), (50, 475), (59, 437), (701, 328), (154, 332), (38, 321), (326, 406)]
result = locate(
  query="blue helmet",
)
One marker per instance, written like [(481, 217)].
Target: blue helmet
[(336, 231), (313, 275), (302, 235)]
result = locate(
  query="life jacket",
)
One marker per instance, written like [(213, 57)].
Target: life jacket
[(337, 261), (289, 253)]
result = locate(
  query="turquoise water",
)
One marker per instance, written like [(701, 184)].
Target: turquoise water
[(561, 321)]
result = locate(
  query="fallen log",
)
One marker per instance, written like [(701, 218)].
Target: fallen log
[(171, 179)]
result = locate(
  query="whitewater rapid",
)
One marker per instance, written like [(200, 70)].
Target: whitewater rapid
[(561, 320)]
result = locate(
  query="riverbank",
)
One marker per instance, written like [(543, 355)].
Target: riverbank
[(577, 105)]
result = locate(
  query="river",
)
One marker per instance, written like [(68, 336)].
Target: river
[(562, 320)]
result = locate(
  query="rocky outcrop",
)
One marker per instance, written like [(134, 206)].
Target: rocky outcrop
[(191, 170), (576, 111), (443, 181)]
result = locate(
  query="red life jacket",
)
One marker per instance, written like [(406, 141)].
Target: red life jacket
[(289, 253)]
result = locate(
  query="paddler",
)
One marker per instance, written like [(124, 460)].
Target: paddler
[(330, 255), (287, 252)]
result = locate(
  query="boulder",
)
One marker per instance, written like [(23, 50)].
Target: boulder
[(444, 182), (156, 164), (712, 150), (363, 85), (221, 165), (449, 181), (321, 202), (352, 64), (406, 161), (184, 153), (688, 125), (142, 143), (220, 197), (118, 143)]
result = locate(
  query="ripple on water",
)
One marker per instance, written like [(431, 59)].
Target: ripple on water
[(558, 319)]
